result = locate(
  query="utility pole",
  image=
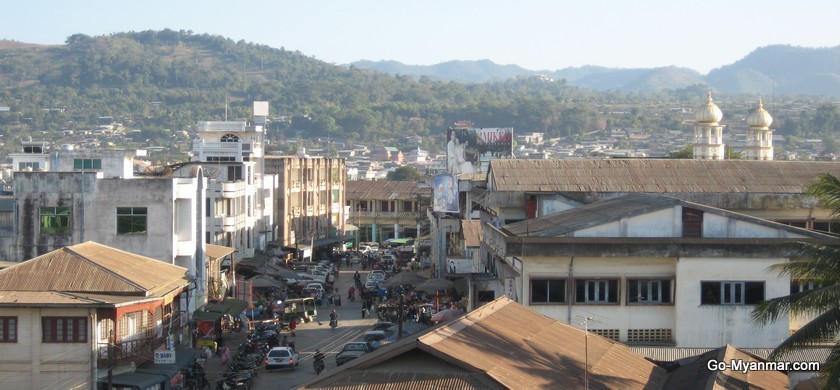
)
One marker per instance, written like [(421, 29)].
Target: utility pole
[(585, 324), (111, 343)]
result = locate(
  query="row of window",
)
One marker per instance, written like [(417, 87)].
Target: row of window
[(53, 330), (57, 221), (641, 291)]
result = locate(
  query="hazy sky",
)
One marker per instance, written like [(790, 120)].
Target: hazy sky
[(536, 34)]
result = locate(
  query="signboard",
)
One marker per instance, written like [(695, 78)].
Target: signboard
[(461, 266), (164, 357), (445, 194), (469, 150)]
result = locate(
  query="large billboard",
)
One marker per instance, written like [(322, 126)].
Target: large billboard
[(445, 194), (469, 150)]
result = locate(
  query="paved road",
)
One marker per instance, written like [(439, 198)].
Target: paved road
[(312, 335)]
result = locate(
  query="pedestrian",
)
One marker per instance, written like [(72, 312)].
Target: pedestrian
[(363, 311), (292, 326)]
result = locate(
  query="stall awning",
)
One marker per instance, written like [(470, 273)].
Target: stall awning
[(183, 358), (214, 311), (349, 227), (332, 240), (217, 251), (136, 380)]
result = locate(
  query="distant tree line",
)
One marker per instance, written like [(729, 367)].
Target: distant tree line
[(164, 81)]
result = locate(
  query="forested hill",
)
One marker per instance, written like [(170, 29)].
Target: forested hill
[(160, 82)]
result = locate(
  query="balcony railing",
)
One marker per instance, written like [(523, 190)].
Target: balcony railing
[(385, 214)]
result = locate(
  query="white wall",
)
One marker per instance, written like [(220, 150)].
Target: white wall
[(715, 325), (29, 364)]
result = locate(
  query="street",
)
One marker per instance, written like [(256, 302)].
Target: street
[(314, 336)]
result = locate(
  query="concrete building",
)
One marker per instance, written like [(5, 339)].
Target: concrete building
[(651, 270), (310, 201), (386, 209)]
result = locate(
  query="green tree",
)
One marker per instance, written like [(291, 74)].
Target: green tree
[(404, 173), (686, 152), (820, 264)]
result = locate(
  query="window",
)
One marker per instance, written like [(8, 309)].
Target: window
[(797, 286), (22, 166), (220, 159), (131, 220), (8, 329), (731, 293), (234, 173), (596, 291), (229, 138), (55, 220), (648, 291), (548, 290), (692, 222), (64, 329), (87, 163)]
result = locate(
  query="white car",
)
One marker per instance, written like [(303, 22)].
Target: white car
[(375, 277), (281, 357), (316, 286)]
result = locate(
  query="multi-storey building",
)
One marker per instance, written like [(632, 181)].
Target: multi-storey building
[(231, 154), (310, 201), (386, 209)]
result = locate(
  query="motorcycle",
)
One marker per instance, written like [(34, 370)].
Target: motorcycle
[(318, 365)]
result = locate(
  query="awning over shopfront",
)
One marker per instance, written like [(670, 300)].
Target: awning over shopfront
[(350, 228), (214, 311), (217, 251), (332, 240), (136, 380), (184, 357)]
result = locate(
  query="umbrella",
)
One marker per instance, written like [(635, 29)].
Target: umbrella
[(433, 285), (402, 278), (446, 315)]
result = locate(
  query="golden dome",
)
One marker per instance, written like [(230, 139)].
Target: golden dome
[(760, 117), (710, 113)]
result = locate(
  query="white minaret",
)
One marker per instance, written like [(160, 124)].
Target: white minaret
[(759, 136), (708, 133)]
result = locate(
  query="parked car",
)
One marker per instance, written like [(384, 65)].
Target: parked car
[(353, 350), (317, 287), (374, 337), (372, 285), (281, 357)]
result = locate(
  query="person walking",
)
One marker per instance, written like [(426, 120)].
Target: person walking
[(292, 326)]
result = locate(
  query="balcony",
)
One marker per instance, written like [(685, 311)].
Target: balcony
[(233, 189), (232, 224), (385, 214), (322, 185)]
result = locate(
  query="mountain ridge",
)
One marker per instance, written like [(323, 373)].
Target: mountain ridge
[(768, 69)]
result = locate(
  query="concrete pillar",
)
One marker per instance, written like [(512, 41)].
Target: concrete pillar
[(375, 233)]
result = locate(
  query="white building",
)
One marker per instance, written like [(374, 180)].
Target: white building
[(650, 270)]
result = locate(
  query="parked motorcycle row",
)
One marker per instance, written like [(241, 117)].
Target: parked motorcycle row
[(249, 358)]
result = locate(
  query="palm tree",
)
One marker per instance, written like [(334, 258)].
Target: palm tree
[(821, 265)]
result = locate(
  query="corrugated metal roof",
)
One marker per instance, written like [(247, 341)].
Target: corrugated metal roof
[(94, 269), (383, 190), (217, 251), (500, 345), (696, 375), (656, 176), (473, 233)]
